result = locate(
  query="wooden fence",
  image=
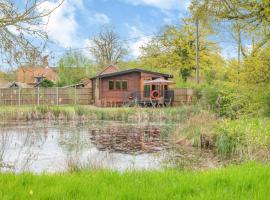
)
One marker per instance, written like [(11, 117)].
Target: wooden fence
[(48, 96), (66, 96), (183, 96)]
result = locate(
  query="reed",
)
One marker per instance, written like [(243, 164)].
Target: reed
[(128, 114)]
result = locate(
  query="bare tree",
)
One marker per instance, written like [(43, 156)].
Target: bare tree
[(22, 33), (107, 47)]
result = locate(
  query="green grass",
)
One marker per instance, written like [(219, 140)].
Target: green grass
[(71, 112), (246, 138), (249, 181)]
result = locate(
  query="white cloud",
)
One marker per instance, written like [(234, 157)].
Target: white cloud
[(163, 4), (101, 18), (62, 25), (88, 43), (135, 45)]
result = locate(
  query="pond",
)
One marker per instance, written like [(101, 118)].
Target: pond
[(45, 146)]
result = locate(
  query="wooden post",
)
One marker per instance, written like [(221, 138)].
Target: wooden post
[(57, 95), (75, 94), (19, 96), (197, 50), (38, 95)]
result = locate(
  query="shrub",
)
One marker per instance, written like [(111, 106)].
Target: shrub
[(46, 83), (245, 137), (267, 103)]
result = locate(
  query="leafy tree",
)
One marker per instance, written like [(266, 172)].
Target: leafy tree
[(256, 68), (174, 50), (8, 76), (73, 67), (252, 15)]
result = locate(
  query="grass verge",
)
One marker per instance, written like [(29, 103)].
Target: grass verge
[(249, 181)]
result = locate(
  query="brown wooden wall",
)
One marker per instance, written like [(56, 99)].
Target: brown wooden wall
[(48, 96), (133, 81)]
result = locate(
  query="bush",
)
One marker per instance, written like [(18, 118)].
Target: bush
[(46, 83), (231, 101), (245, 137), (267, 103)]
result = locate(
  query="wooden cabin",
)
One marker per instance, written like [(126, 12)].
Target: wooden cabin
[(113, 87)]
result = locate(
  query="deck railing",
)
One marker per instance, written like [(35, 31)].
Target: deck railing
[(144, 98)]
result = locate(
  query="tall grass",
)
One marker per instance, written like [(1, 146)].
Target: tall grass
[(133, 114), (249, 181), (245, 138)]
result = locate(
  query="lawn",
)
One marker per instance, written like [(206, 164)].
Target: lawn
[(249, 181)]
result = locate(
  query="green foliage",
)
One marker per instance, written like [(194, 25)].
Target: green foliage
[(73, 68), (226, 143), (247, 138), (46, 83), (8, 76), (256, 68), (267, 103), (233, 100), (185, 73), (249, 181), (174, 50)]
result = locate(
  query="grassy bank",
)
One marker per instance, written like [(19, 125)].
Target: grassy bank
[(172, 114), (249, 181)]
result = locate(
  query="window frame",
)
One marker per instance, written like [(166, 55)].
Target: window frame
[(120, 84), (113, 86), (122, 88)]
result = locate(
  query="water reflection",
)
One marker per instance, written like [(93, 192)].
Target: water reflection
[(51, 147)]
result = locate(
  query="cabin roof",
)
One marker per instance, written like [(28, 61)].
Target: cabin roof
[(131, 71)]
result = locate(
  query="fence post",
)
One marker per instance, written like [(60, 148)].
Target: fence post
[(38, 96), (19, 96), (75, 94), (57, 95), (0, 96)]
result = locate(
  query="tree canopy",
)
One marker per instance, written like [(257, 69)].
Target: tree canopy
[(174, 50), (73, 68)]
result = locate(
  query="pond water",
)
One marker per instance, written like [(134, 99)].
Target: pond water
[(51, 147)]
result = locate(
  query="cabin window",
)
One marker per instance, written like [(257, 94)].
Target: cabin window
[(124, 85), (146, 91), (118, 85), (111, 85)]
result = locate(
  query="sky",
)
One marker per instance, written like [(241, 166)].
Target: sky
[(72, 24), (76, 21)]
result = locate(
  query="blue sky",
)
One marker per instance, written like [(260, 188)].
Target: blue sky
[(71, 25)]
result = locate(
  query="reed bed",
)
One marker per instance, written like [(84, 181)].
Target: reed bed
[(127, 114)]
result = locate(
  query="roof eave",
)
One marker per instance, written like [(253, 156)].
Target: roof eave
[(130, 71)]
